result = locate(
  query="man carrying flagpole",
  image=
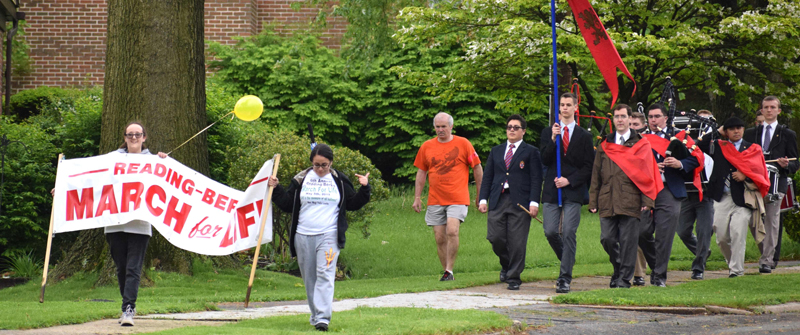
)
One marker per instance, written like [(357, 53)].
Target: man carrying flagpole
[(561, 222)]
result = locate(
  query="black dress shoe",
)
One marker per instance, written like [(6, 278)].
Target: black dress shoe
[(514, 286), (503, 276), (659, 283), (323, 327), (562, 287), (697, 275), (613, 283), (733, 275), (765, 269), (638, 281)]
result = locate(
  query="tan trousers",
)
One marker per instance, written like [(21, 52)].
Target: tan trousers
[(730, 227), (641, 265), (772, 220)]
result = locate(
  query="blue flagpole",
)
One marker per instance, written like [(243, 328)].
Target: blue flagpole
[(556, 100)]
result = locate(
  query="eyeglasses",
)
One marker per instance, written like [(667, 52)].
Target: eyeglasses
[(321, 166), (134, 135), (514, 128), (655, 116)]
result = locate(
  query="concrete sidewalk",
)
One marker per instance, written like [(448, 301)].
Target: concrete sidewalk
[(531, 296)]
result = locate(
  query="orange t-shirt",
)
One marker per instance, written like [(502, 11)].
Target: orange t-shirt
[(448, 166)]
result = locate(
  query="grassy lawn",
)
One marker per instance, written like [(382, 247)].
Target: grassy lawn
[(741, 292), (398, 257), (368, 321)]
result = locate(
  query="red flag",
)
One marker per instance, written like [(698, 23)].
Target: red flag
[(657, 143), (639, 165), (660, 145), (701, 160), (750, 162), (601, 45)]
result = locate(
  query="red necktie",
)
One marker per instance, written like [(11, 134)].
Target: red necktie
[(508, 155), (566, 138)]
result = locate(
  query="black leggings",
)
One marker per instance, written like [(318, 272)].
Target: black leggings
[(128, 252)]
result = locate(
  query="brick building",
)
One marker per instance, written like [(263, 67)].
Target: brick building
[(67, 37)]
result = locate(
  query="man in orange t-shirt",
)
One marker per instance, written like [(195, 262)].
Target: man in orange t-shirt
[(445, 161)]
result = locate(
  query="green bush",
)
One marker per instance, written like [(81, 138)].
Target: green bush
[(29, 102), (295, 151), (23, 264), (299, 80), (29, 174), (372, 108)]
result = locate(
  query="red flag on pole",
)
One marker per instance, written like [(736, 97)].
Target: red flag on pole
[(600, 44)]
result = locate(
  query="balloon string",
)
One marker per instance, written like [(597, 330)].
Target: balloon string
[(200, 132)]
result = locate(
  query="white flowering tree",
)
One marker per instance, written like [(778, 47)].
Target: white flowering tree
[(733, 51)]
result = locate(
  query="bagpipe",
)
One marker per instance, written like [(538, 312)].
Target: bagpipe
[(693, 125), (605, 121)]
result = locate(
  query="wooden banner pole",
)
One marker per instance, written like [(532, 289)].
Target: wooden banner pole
[(49, 240), (775, 160), (261, 231)]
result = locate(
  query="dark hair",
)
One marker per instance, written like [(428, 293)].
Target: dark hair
[(657, 106), (639, 116), (144, 134), (622, 106), (519, 118), (570, 95), (771, 98), (321, 150), (758, 113)]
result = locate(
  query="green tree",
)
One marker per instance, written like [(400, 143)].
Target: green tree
[(734, 51), (155, 73)]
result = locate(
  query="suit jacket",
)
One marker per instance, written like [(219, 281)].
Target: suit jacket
[(611, 191), (576, 166), (674, 178), (722, 168), (524, 175), (782, 144)]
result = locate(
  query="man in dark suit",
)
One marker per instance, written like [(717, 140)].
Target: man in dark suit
[(577, 157), (778, 142), (663, 220), (702, 211), (513, 179), (726, 187)]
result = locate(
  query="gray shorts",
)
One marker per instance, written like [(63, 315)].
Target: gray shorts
[(437, 215)]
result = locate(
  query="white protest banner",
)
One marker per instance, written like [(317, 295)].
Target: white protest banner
[(190, 210)]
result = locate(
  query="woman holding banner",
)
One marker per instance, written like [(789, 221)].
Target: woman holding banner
[(128, 242), (318, 202)]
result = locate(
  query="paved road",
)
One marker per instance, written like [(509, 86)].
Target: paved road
[(566, 320)]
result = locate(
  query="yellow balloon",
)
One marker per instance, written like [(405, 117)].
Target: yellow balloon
[(248, 108)]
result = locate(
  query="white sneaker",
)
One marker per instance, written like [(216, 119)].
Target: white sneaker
[(127, 317)]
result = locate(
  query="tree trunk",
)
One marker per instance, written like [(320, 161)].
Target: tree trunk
[(154, 74)]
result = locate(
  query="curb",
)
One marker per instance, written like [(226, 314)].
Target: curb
[(650, 309), (709, 309), (791, 307), (727, 310)]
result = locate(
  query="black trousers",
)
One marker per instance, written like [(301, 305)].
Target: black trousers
[(507, 230), (703, 213), (128, 252), (618, 235), (662, 223)]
